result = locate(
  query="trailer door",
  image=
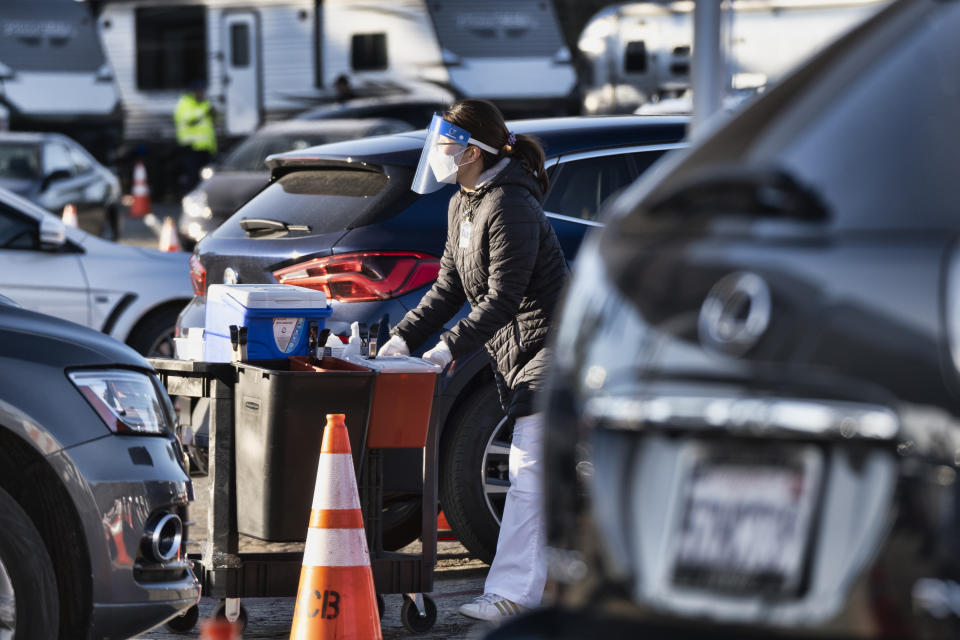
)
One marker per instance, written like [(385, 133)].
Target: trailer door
[(241, 79)]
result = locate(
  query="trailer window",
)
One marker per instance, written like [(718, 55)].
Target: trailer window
[(635, 57), (240, 45), (171, 47), (368, 51)]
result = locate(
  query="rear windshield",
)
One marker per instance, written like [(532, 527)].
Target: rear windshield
[(325, 200)]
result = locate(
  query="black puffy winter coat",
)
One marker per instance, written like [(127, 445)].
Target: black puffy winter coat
[(504, 258)]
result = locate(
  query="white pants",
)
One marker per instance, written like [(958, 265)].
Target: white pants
[(519, 569)]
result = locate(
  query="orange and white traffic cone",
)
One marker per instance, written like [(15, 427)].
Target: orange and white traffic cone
[(141, 192), (169, 240), (219, 629), (69, 216), (336, 596)]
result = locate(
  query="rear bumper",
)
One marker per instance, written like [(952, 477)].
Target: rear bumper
[(881, 559), (126, 620), (127, 482)]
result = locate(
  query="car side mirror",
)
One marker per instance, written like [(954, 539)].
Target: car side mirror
[(53, 233), (50, 178)]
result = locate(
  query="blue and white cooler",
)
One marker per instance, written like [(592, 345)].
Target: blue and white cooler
[(279, 319)]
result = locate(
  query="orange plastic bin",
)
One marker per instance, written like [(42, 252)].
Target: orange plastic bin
[(402, 401)]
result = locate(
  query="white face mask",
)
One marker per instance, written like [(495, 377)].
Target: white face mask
[(445, 166)]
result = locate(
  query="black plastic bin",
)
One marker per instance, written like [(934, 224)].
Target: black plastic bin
[(280, 416)]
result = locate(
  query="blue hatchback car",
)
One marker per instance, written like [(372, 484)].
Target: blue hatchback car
[(341, 218)]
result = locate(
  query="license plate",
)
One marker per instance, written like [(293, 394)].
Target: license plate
[(745, 521)]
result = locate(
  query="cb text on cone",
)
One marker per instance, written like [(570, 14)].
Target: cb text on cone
[(336, 596)]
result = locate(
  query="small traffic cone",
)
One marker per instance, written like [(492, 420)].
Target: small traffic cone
[(336, 597), (169, 240), (141, 192), (219, 629), (443, 528), (70, 215)]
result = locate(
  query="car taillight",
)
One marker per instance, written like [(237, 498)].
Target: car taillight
[(198, 276), (363, 276)]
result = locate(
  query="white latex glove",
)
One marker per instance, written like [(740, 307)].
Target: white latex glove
[(396, 346), (440, 355)]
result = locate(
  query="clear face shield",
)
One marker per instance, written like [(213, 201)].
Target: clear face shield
[(441, 156)]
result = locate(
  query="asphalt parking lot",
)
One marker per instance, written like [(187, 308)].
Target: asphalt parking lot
[(137, 231)]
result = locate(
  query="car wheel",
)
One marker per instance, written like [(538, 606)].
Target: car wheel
[(153, 335), (29, 607), (474, 472)]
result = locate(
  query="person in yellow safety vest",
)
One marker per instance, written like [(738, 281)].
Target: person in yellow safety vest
[(196, 135)]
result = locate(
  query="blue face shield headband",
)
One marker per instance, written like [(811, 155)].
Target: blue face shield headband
[(440, 158)]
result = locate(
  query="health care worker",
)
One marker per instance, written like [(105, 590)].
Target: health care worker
[(503, 257), (196, 135)]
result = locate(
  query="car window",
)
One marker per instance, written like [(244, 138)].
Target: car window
[(580, 187), (56, 157), (81, 164), (323, 201), (643, 160), (18, 231), (19, 161), (252, 153), (247, 156)]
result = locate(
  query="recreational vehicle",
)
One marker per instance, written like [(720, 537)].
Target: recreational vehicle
[(639, 52), (269, 59), (54, 76)]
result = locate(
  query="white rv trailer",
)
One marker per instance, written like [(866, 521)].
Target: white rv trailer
[(509, 51), (639, 52), (53, 73), (269, 59)]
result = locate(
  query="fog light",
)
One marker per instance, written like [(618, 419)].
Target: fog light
[(162, 537)]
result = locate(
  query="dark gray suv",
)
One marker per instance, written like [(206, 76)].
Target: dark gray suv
[(93, 492), (757, 380)]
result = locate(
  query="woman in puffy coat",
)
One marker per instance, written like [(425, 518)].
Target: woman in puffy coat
[(503, 257)]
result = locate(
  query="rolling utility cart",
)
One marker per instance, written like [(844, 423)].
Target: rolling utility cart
[(265, 427)]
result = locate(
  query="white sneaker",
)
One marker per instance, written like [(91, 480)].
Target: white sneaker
[(491, 607)]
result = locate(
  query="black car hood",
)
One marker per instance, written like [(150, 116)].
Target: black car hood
[(228, 191), (20, 186), (27, 335)]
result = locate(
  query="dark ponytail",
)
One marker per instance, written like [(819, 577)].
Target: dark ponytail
[(485, 123)]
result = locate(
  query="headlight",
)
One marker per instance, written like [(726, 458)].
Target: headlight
[(126, 401), (195, 205)]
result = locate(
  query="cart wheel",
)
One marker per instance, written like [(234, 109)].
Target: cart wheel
[(381, 605), (185, 621), (221, 613), (411, 618)]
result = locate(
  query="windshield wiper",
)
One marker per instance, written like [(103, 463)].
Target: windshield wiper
[(259, 227)]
